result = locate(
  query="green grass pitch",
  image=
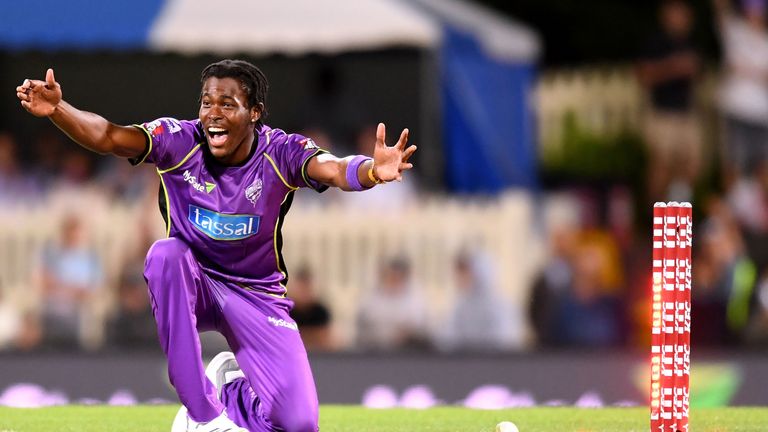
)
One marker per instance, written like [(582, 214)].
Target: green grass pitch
[(358, 419)]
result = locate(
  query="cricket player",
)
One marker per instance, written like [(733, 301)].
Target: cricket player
[(227, 182)]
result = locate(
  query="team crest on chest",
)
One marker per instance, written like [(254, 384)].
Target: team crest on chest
[(253, 192)]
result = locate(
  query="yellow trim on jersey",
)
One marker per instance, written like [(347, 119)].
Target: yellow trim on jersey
[(292, 188), (306, 162), (189, 155), (151, 141), (274, 243), (167, 205)]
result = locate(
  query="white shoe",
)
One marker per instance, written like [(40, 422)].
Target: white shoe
[(223, 369), (222, 423), (180, 421)]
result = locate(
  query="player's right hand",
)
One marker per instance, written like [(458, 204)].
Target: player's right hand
[(40, 98)]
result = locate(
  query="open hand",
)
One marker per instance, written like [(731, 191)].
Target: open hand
[(390, 162), (40, 98)]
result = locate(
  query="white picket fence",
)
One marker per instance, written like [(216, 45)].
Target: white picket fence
[(343, 248), (26, 231)]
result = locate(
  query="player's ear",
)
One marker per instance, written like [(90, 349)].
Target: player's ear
[(256, 111)]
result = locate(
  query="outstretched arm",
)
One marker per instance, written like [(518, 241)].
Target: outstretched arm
[(44, 99), (388, 164)]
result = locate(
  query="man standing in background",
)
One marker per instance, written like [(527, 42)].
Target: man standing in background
[(667, 70), (744, 88)]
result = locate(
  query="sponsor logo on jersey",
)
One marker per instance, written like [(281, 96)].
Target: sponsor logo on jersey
[(279, 322), (308, 144), (253, 192), (192, 180), (223, 226)]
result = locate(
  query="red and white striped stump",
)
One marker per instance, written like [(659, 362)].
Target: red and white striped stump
[(671, 316)]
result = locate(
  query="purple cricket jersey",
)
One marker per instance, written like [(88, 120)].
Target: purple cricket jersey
[(230, 216)]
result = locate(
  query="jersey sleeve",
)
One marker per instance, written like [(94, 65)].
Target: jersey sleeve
[(169, 141), (292, 154)]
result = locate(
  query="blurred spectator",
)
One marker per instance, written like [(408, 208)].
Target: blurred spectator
[(757, 333), (19, 329), (30, 333), (575, 299), (133, 323), (124, 182), (480, 319), (587, 316), (708, 305), (730, 287), (667, 70), (744, 90), (393, 314), (47, 149), (10, 321), (15, 187), (748, 200), (554, 281), (310, 314), (76, 169), (71, 275), (75, 188)]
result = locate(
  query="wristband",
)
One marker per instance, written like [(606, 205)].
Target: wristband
[(352, 179), (372, 176)]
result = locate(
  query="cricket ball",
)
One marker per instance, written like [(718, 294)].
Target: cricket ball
[(506, 426)]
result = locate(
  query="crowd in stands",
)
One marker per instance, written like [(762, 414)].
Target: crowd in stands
[(592, 291)]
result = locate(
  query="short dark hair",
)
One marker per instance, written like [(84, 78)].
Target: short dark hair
[(252, 79)]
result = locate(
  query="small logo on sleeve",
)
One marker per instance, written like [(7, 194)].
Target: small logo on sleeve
[(223, 226), (308, 144), (155, 128), (159, 126)]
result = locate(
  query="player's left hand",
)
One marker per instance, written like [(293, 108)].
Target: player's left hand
[(390, 162)]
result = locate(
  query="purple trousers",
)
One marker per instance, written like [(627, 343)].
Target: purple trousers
[(278, 392)]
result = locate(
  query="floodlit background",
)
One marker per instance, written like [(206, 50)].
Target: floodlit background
[(512, 259)]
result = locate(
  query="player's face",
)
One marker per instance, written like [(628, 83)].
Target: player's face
[(227, 121)]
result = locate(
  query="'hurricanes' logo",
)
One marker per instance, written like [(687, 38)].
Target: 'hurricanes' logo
[(253, 192)]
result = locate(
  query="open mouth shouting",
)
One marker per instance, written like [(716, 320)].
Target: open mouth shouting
[(217, 136)]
